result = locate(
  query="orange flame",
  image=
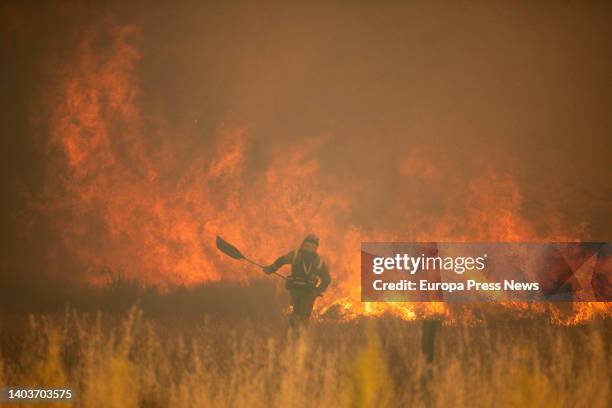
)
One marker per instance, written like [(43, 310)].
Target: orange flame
[(123, 197)]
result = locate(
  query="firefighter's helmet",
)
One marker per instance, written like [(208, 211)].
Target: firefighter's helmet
[(310, 243)]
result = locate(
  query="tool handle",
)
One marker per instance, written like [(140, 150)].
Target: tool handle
[(263, 266)]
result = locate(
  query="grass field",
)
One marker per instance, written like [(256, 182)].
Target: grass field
[(129, 360)]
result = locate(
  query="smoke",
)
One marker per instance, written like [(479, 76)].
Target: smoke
[(152, 129)]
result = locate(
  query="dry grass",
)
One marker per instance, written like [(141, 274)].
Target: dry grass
[(135, 361)]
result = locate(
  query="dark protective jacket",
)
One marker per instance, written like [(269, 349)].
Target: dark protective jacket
[(308, 270)]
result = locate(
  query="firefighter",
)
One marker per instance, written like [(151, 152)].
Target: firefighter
[(308, 279)]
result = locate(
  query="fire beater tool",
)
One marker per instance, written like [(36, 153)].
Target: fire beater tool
[(233, 252)]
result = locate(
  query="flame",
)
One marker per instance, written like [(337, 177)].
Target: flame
[(125, 196)]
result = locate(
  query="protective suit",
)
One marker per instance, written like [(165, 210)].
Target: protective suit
[(309, 278)]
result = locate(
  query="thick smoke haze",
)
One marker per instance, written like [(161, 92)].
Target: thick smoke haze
[(132, 134)]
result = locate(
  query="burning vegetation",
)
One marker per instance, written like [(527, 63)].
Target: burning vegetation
[(123, 191), (137, 135)]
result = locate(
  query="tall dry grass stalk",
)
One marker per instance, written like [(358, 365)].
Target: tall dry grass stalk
[(138, 362)]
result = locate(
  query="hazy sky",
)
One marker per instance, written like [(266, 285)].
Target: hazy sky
[(517, 88)]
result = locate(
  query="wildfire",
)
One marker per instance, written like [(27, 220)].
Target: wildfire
[(148, 201)]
